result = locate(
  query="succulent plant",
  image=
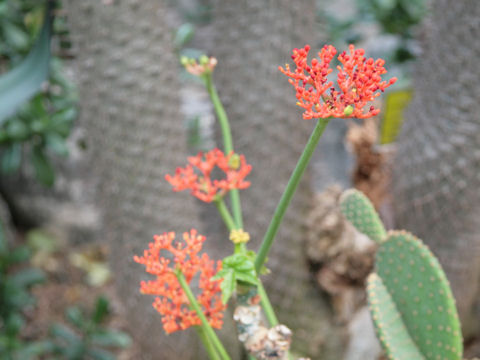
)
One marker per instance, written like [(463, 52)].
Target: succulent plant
[(410, 299)]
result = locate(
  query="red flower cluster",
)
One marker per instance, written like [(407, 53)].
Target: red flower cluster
[(172, 302), (358, 81), (201, 185)]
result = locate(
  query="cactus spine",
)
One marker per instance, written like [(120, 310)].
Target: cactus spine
[(410, 299)]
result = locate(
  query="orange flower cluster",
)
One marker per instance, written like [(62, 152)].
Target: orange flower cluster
[(358, 81), (172, 303), (200, 183)]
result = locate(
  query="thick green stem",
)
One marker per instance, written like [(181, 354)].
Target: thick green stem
[(288, 193), (225, 214), (266, 305), (227, 144), (205, 325), (212, 353)]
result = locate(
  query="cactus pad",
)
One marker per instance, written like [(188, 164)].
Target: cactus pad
[(422, 295), (357, 209), (391, 330)]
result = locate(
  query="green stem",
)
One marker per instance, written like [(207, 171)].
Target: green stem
[(205, 325), (212, 353), (266, 305), (227, 144), (225, 214), (288, 193)]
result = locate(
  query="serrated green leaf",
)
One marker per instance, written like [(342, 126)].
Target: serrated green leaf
[(250, 278), (239, 262)]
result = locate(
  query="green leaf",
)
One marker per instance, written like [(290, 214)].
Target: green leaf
[(227, 285), (3, 240), (110, 338), (100, 354), (17, 130), (57, 144), (11, 158), (101, 310), (184, 35), (24, 80), (248, 277), (35, 349), (19, 254), (43, 167), (28, 277), (75, 316), (63, 332), (15, 36)]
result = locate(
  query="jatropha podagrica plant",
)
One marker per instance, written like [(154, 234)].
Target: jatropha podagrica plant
[(176, 264), (410, 299)]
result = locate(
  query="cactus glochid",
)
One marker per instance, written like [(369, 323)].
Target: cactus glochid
[(410, 299)]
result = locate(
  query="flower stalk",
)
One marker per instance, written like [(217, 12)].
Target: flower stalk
[(227, 144), (205, 325), (289, 192)]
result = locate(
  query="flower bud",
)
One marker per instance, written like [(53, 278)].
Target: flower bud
[(348, 110)]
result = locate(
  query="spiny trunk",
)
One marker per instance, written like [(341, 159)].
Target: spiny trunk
[(130, 109), (438, 161), (252, 39)]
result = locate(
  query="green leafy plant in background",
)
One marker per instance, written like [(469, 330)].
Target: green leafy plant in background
[(410, 299), (393, 17), (15, 297), (86, 337), (397, 17), (37, 103)]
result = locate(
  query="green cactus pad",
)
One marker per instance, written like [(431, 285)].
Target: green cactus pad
[(356, 207), (391, 330), (420, 290)]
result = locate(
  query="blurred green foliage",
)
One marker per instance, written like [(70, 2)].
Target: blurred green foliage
[(41, 126), (16, 280), (393, 17), (85, 337)]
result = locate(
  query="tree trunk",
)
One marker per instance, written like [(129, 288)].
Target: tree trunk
[(252, 39), (130, 109), (438, 160)]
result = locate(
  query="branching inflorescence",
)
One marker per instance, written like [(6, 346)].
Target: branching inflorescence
[(201, 184), (359, 81), (171, 301), (176, 265)]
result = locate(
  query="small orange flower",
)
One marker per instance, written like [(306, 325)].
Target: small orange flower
[(200, 183), (171, 301), (358, 81)]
